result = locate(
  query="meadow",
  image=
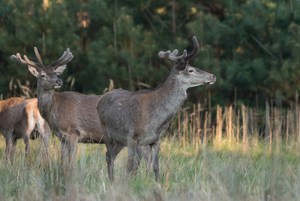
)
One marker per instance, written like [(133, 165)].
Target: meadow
[(228, 153)]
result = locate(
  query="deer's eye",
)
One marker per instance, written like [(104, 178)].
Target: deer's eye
[(191, 71), (43, 76)]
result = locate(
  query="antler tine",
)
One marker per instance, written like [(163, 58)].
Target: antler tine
[(179, 57), (164, 54), (29, 61), (18, 58), (172, 56), (69, 56), (175, 52), (38, 56), (195, 50), (66, 57), (57, 62)]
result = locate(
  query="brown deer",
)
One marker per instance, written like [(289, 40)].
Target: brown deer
[(20, 118), (140, 118), (72, 116)]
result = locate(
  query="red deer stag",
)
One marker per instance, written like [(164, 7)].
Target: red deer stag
[(72, 116), (19, 118), (140, 118)]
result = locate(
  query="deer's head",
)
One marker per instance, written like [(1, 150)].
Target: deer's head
[(47, 75), (187, 75)]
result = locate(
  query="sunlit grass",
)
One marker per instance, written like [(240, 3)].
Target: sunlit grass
[(186, 174), (228, 163)]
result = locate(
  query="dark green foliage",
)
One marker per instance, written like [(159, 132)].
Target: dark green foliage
[(252, 46)]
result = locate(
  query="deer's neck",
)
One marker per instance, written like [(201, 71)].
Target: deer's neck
[(45, 101), (169, 98)]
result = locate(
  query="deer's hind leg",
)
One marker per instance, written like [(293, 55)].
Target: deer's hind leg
[(10, 148), (155, 151), (113, 149)]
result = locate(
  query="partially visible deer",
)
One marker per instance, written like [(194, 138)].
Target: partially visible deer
[(20, 118), (72, 116), (140, 118)]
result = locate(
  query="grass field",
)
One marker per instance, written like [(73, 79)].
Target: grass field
[(220, 168)]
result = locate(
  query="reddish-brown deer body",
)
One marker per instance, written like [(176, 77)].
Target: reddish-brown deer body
[(20, 118), (140, 118)]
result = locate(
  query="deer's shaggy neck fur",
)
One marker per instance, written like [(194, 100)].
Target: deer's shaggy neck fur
[(45, 100)]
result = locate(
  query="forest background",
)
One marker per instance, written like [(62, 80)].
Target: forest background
[(252, 46), (238, 139)]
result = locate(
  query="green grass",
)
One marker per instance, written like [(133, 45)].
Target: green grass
[(226, 173)]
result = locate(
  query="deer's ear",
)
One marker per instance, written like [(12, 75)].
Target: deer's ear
[(33, 70), (60, 69)]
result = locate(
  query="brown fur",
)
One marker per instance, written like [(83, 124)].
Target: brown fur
[(20, 118)]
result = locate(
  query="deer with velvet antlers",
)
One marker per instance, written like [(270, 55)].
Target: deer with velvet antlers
[(71, 116), (140, 118)]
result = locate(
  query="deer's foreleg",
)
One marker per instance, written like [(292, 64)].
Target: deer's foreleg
[(133, 157)]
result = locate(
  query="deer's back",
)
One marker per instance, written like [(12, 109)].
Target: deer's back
[(10, 103), (120, 105)]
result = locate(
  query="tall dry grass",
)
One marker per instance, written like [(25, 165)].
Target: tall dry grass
[(276, 127), (229, 153)]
